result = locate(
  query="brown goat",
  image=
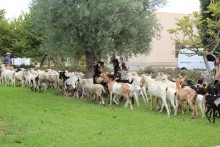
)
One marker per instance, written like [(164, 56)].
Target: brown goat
[(186, 94), (118, 89)]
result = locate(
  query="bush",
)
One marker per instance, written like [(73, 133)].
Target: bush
[(189, 74), (72, 68), (23, 66)]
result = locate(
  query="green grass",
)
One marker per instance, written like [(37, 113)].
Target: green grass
[(44, 119)]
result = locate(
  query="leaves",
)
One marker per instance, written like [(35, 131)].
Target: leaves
[(199, 31), (19, 37), (103, 27)]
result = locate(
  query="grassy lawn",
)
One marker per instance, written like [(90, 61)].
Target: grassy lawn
[(45, 119)]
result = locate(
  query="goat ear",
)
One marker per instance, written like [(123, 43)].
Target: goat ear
[(148, 74), (168, 75), (173, 79)]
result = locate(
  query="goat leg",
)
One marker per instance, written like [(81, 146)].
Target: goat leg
[(209, 114), (213, 116)]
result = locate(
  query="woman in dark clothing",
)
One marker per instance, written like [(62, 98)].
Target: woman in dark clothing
[(98, 70), (116, 68), (124, 66)]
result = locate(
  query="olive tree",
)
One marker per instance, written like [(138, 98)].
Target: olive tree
[(97, 29)]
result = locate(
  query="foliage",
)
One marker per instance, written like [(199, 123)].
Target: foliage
[(45, 119), (27, 40), (206, 14), (192, 29), (193, 75), (97, 29), (19, 37), (23, 66), (6, 34)]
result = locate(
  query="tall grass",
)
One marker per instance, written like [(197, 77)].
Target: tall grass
[(46, 119)]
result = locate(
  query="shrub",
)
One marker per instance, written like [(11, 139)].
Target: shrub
[(23, 66), (189, 74)]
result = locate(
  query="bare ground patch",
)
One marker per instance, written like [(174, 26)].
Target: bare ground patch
[(2, 133), (1, 121)]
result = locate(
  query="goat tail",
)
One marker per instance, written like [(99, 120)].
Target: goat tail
[(103, 90), (194, 100), (175, 99), (131, 81)]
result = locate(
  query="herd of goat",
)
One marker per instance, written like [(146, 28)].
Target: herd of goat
[(170, 94)]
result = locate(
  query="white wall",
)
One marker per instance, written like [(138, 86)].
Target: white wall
[(21, 61)]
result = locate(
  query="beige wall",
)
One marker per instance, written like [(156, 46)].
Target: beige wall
[(163, 49)]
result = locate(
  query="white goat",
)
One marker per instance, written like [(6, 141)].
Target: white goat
[(133, 76), (71, 84), (164, 78), (93, 89), (157, 89), (90, 80), (171, 90), (8, 75), (19, 76), (172, 97), (200, 103)]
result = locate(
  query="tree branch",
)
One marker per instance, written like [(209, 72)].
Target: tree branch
[(216, 45)]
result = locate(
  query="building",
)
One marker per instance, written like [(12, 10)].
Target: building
[(163, 48)]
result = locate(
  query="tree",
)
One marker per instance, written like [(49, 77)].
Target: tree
[(6, 34), (19, 37), (97, 29), (27, 39), (193, 35), (207, 38)]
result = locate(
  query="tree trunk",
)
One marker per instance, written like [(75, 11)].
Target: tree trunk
[(43, 60), (48, 62), (76, 61), (90, 62), (206, 63)]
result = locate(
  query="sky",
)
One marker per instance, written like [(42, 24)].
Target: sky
[(14, 7), (181, 6)]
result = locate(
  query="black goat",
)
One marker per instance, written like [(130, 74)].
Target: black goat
[(212, 103), (190, 84), (62, 76)]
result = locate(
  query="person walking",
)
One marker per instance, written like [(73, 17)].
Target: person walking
[(217, 71), (7, 59), (117, 68), (124, 66)]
